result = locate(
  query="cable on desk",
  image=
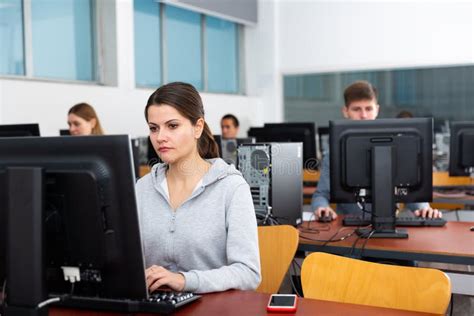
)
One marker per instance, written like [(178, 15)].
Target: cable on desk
[(331, 239), (361, 201), (315, 230), (365, 242), (354, 246), (291, 278), (326, 241)]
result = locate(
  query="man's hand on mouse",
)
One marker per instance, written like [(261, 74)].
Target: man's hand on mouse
[(325, 211)]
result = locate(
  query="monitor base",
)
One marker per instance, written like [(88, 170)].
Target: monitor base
[(368, 232)]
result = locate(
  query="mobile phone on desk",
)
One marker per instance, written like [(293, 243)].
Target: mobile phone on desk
[(282, 303)]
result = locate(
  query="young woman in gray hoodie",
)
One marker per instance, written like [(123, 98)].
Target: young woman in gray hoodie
[(197, 217)]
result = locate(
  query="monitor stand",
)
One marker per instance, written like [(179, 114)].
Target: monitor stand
[(24, 264), (383, 199)]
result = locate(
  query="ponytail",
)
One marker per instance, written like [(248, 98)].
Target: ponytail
[(207, 146)]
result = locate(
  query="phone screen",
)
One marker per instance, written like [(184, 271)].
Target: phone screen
[(282, 300)]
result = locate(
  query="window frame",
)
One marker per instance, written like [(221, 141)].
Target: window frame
[(28, 49), (204, 69)]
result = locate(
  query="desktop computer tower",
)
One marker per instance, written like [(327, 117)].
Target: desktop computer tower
[(228, 147), (274, 174)]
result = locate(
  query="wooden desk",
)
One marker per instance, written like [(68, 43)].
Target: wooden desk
[(452, 243), (465, 200), (240, 303), (443, 178)]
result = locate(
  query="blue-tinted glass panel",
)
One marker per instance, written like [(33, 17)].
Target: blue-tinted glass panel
[(292, 86), (62, 39), (222, 55), (183, 46), (444, 93), (11, 38), (147, 43)]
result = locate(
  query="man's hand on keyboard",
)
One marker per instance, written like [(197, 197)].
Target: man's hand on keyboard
[(157, 276), (428, 212)]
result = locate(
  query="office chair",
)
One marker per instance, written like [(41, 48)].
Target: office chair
[(278, 246), (340, 279)]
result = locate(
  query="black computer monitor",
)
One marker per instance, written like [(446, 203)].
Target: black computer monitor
[(18, 130), (298, 132), (381, 162), (461, 149), (80, 192), (64, 132)]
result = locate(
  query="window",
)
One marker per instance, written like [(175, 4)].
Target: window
[(174, 44), (183, 46), (11, 38), (444, 93), (62, 39), (221, 59), (58, 37), (147, 43)]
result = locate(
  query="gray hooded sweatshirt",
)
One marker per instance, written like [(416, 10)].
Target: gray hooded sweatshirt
[(211, 238)]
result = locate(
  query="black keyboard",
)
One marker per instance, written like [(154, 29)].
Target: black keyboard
[(161, 302), (400, 221)]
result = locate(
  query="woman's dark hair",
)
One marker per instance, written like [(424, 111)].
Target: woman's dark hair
[(187, 101), (87, 112)]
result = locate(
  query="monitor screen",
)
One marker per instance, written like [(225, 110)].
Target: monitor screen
[(90, 215), (293, 133), (64, 132), (461, 149), (19, 130), (381, 162)]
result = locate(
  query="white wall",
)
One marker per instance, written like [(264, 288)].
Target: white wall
[(319, 36), (120, 107), (120, 110), (300, 36), (262, 59)]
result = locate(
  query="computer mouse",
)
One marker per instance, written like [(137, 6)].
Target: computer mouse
[(471, 229), (325, 217)]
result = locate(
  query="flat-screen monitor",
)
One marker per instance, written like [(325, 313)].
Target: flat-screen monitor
[(18, 130), (290, 133), (461, 149), (381, 162), (84, 187), (135, 150)]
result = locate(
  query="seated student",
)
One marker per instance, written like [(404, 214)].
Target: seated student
[(197, 217), (83, 120), (360, 104), (229, 126)]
